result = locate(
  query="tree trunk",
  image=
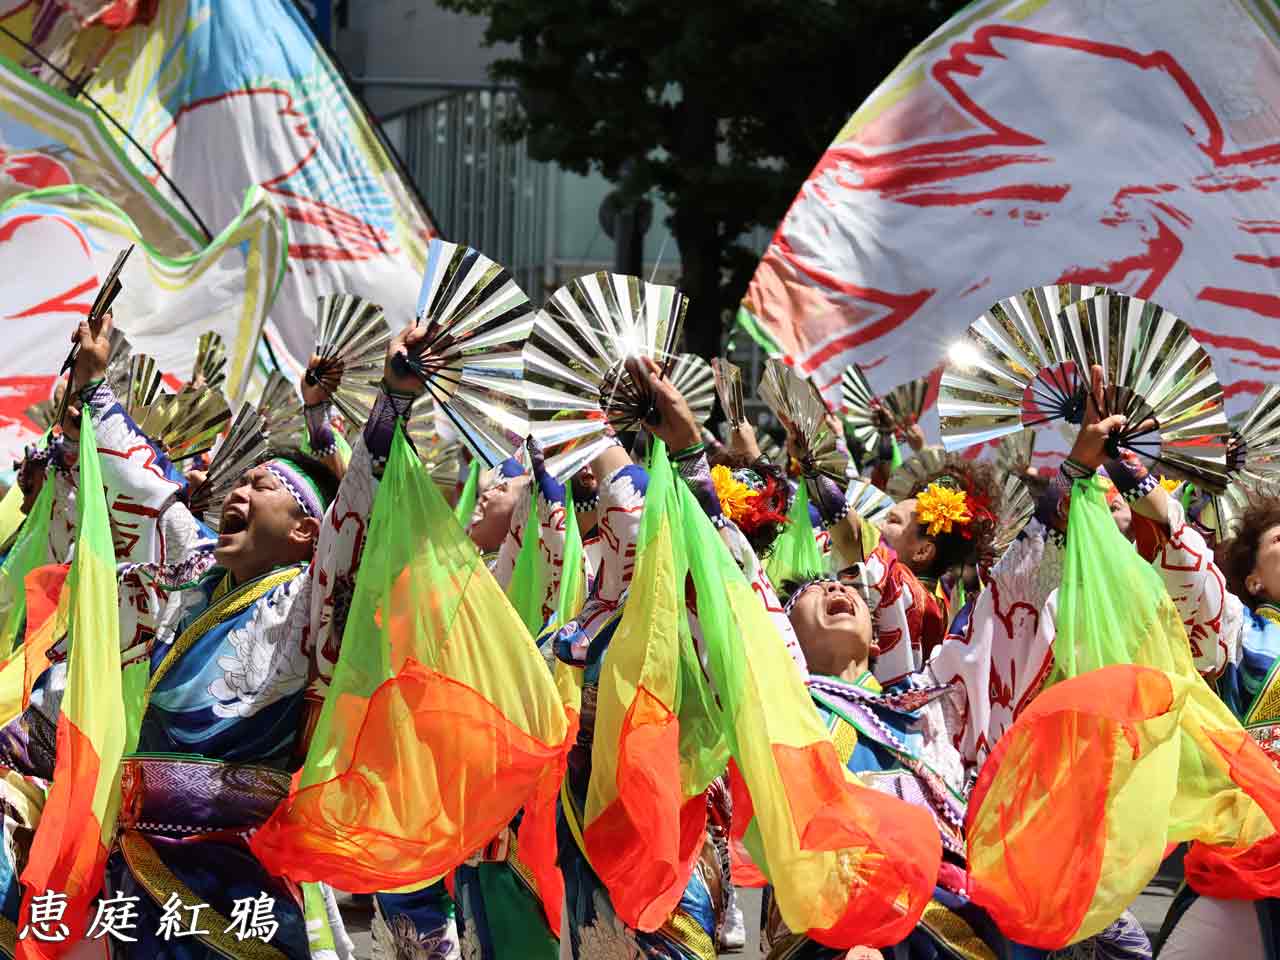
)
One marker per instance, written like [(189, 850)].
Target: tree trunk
[(699, 245), (697, 233)]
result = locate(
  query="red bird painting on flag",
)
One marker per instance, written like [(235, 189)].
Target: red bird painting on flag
[(1061, 146)]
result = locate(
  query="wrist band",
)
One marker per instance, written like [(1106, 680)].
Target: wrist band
[(1144, 487), (401, 403), (89, 389), (689, 452)]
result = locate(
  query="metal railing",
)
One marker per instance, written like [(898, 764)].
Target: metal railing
[(484, 190)]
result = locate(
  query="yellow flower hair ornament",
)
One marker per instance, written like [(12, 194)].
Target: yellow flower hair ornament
[(750, 500), (940, 508), (735, 496)]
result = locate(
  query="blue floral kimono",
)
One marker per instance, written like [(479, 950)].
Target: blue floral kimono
[(237, 674)]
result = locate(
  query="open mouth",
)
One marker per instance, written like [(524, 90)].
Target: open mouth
[(839, 604), (233, 522)]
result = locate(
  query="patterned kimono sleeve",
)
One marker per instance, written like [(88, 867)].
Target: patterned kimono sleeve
[(697, 474), (621, 505), (907, 616), (504, 566), (552, 528), (330, 580), (148, 523), (1196, 585), (749, 563), (62, 520), (1000, 662)]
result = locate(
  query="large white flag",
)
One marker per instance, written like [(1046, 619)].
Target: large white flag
[(57, 244), (1129, 143)]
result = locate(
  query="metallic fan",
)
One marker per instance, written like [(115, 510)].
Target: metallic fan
[(117, 375), (576, 381), (1014, 371), (860, 413), (351, 341), (118, 362), (796, 402), (1015, 452), (1017, 506), (729, 389), (868, 501), (107, 294), (1255, 445), (692, 376), (244, 447), (144, 384), (1160, 379), (1011, 366), (868, 415), (211, 360), (281, 408), (905, 403), (477, 320), (904, 481), (1253, 462), (185, 424), (772, 450)]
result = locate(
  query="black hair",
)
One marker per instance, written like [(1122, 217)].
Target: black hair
[(1238, 556), (802, 579), (955, 549)]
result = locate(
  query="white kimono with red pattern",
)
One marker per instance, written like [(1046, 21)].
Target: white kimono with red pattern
[(1006, 651)]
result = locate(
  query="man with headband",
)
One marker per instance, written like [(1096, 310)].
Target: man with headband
[(240, 636)]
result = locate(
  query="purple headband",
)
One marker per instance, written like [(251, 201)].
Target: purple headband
[(300, 486), (795, 594), (858, 573)]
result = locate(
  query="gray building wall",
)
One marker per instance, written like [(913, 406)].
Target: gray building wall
[(555, 213), (413, 39)]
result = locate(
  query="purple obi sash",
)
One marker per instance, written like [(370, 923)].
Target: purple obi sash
[(168, 795)]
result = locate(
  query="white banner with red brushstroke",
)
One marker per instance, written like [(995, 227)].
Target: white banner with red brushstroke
[(1131, 144), (203, 101), (56, 246)]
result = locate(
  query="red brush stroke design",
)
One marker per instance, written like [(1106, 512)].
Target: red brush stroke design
[(353, 239), (34, 170), (941, 169), (19, 394)]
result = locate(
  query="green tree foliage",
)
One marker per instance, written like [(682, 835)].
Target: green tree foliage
[(720, 106)]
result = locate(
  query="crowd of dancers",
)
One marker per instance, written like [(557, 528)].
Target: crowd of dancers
[(937, 704)]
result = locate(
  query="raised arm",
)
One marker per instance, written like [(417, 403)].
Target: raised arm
[(1006, 651), (1185, 563), (504, 565), (149, 522), (331, 575), (318, 413)]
